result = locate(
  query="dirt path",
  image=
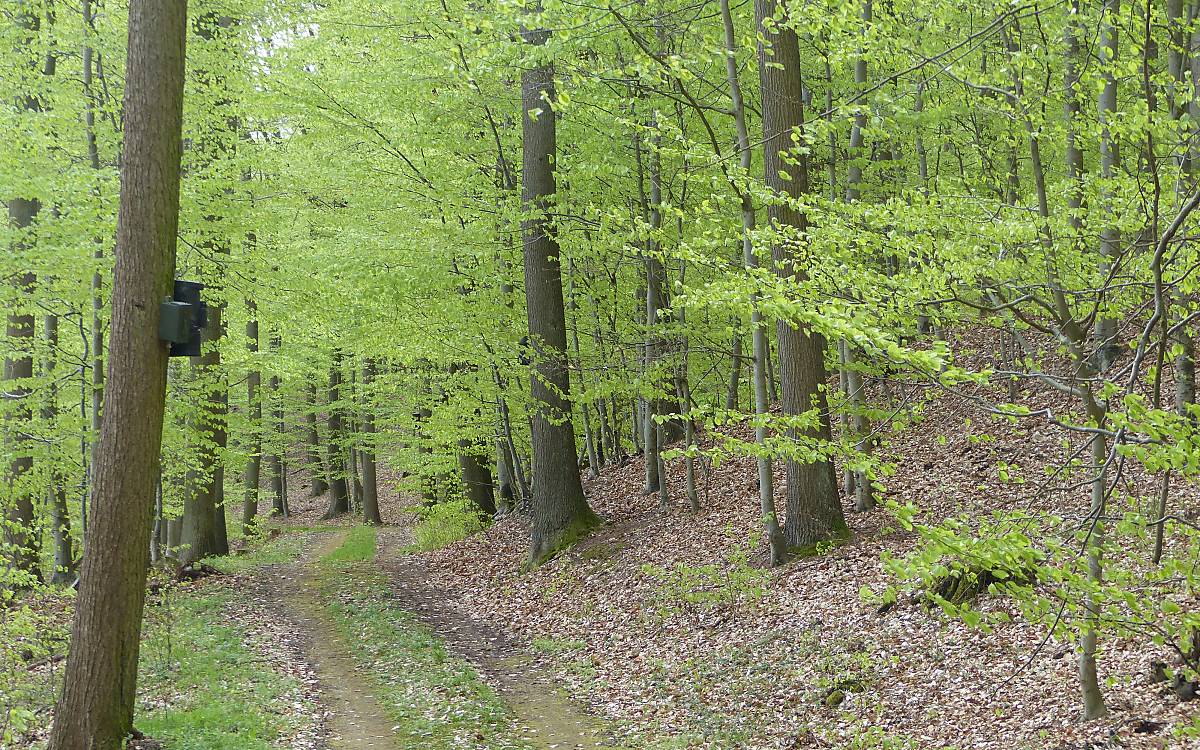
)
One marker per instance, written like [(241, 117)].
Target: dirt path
[(354, 718), (550, 719)]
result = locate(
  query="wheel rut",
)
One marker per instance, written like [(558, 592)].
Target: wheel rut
[(549, 718), (354, 717)]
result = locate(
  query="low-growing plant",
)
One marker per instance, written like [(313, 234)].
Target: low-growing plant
[(710, 585), (446, 523)]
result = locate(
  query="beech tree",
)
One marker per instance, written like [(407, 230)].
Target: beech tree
[(100, 679), (560, 511)]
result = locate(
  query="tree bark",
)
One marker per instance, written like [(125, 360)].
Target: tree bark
[(814, 510), (370, 502), (762, 397), (95, 710), (318, 485), (253, 385), (560, 512), (476, 478), (339, 495), (1107, 345), (21, 539), (199, 534), (56, 500)]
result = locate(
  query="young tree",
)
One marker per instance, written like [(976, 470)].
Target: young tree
[(96, 707)]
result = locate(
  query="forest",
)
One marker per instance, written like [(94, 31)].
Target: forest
[(663, 374)]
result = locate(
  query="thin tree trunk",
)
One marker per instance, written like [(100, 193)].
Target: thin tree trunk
[(56, 500), (733, 391), (762, 400), (95, 709), (97, 291), (276, 468), (254, 402), (339, 496), (1107, 345), (21, 537), (370, 501), (316, 468)]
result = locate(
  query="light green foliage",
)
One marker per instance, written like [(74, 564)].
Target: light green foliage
[(358, 547), (33, 635), (445, 523), (282, 549)]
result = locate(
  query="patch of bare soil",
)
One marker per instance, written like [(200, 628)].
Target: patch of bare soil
[(529, 688), (354, 717)]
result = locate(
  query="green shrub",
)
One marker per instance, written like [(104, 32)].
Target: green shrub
[(446, 523)]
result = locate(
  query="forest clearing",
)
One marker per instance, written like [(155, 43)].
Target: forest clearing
[(536, 374)]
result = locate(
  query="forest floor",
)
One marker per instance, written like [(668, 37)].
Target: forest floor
[(661, 631)]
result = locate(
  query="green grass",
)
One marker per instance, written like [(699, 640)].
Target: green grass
[(284, 548), (436, 701), (359, 546), (201, 688)]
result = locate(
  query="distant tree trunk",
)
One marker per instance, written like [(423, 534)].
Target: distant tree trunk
[(506, 503), (253, 384), (1107, 344), (318, 485), (95, 709), (339, 496), (56, 500), (733, 392), (370, 500), (560, 512), (814, 510), (863, 490), (97, 332), (476, 478), (590, 439), (199, 537), (21, 539)]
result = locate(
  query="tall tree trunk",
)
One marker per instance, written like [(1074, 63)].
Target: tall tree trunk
[(370, 499), (56, 500), (21, 538), (95, 709), (97, 333), (762, 397), (864, 493), (253, 400), (318, 484), (199, 534), (339, 495), (814, 510), (1107, 345), (276, 466), (560, 512)]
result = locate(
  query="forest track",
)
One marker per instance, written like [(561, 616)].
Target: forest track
[(549, 718), (354, 717)]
